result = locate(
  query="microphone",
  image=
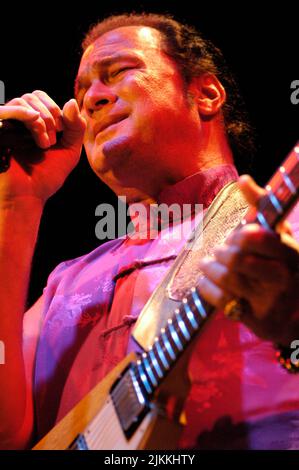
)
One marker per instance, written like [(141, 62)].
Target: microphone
[(14, 135)]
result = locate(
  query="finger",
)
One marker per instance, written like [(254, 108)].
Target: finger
[(253, 238), (257, 268), (45, 114), (284, 227), (52, 107), (270, 272), (229, 255), (250, 189), (37, 126), (291, 242), (230, 281), (74, 125), (213, 294), (19, 113)]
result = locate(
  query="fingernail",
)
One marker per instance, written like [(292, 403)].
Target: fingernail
[(52, 137), (203, 261), (59, 124), (44, 140), (75, 103), (32, 113)]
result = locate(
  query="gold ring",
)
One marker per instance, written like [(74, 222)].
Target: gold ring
[(234, 309)]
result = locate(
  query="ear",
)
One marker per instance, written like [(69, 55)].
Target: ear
[(209, 94)]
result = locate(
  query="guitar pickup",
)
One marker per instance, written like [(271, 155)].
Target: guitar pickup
[(130, 401)]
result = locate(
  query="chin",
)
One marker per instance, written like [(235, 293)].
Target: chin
[(110, 155), (116, 146)]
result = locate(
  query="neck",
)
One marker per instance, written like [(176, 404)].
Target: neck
[(213, 151)]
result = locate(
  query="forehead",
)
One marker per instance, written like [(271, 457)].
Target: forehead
[(141, 39)]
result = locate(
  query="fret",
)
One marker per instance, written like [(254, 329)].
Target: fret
[(149, 370), (198, 303), (167, 344), (177, 328), (287, 180), (174, 335), (155, 363), (175, 321), (191, 316), (265, 218), (153, 366), (282, 192), (137, 387), (144, 378), (137, 382), (181, 324), (274, 200), (187, 319), (161, 354), (271, 208), (262, 220)]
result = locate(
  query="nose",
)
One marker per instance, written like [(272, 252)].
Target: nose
[(98, 96)]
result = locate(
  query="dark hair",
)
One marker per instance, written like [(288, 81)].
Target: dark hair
[(194, 55)]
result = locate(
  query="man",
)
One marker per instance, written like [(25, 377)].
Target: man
[(154, 131)]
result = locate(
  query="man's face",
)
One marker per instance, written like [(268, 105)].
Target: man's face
[(142, 134)]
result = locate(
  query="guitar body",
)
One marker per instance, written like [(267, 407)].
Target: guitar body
[(157, 430)]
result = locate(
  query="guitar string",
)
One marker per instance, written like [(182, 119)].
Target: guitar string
[(101, 433), (101, 426)]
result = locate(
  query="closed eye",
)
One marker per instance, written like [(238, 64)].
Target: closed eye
[(120, 70)]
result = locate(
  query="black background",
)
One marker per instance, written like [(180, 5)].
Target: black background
[(40, 49)]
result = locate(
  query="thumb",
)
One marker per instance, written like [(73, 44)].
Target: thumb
[(74, 124), (252, 192)]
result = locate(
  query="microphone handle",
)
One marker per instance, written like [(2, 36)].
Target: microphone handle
[(14, 134)]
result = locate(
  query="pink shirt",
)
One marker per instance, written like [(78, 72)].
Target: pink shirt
[(240, 397)]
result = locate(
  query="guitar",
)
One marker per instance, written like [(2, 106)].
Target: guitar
[(139, 405)]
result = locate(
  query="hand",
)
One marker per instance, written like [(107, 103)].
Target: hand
[(41, 170), (256, 265)]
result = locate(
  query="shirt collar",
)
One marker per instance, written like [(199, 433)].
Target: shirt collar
[(199, 188)]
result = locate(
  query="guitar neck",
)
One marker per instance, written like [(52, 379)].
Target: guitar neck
[(282, 194), (145, 376)]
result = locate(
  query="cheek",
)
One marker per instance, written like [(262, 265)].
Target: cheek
[(88, 133), (88, 150), (134, 90), (165, 102), (149, 90)]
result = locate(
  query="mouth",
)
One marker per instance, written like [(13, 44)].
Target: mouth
[(107, 123)]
